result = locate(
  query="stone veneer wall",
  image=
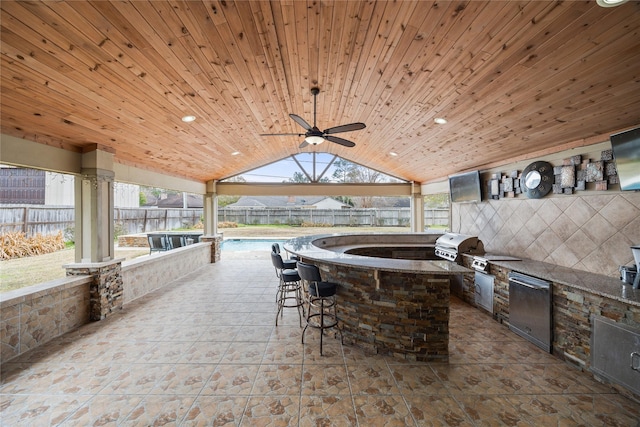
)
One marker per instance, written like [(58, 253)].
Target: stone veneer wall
[(144, 275), (45, 311), (407, 317), (572, 312), (590, 232), (35, 315)]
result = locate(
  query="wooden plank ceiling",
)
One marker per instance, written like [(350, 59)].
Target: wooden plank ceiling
[(511, 77)]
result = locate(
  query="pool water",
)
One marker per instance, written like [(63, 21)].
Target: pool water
[(250, 244)]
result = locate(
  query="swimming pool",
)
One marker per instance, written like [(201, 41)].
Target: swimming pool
[(250, 244)]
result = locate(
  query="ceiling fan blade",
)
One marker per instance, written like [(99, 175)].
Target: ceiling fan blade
[(345, 128), (299, 120), (340, 141), (281, 134), (304, 144)]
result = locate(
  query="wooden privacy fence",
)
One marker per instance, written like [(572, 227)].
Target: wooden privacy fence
[(49, 220)]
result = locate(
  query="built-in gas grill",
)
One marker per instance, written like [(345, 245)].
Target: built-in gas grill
[(450, 245)]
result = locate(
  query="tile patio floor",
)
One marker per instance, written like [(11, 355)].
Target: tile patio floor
[(204, 351)]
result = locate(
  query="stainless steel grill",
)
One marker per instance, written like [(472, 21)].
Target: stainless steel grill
[(450, 245)]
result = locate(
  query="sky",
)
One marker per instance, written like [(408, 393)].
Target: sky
[(284, 169)]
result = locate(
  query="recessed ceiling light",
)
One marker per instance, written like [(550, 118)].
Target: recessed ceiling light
[(235, 153), (393, 153), (188, 119), (440, 121), (610, 3)]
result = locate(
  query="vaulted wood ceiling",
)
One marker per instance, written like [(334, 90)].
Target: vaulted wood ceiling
[(511, 77)]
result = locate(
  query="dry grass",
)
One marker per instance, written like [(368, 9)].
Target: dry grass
[(22, 272), (18, 245)]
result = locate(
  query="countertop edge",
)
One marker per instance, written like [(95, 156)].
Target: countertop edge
[(304, 247), (597, 284)]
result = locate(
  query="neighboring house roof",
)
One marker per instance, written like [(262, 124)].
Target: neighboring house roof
[(281, 201), (175, 201)]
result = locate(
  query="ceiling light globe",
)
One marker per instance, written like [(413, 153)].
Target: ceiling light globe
[(610, 3), (314, 139)]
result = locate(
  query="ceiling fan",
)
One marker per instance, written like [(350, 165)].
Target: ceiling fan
[(313, 135)]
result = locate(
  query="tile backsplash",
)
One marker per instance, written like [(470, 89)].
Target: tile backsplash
[(587, 232)]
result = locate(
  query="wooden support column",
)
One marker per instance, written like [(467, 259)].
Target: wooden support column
[(211, 210), (93, 235), (94, 232), (417, 209), (211, 221)]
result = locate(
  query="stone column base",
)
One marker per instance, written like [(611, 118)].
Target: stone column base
[(106, 294), (215, 246)]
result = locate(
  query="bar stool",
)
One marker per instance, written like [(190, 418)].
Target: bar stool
[(289, 293), (288, 263), (322, 301)]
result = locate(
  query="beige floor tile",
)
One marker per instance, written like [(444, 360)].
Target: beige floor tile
[(327, 411), (417, 380), (231, 380), (40, 409), (184, 379), (159, 410), (382, 411), (254, 333), (278, 380), (244, 352), (218, 411), (286, 352), (436, 411), (371, 379), (207, 352), (104, 411), (271, 411), (137, 379), (324, 380)]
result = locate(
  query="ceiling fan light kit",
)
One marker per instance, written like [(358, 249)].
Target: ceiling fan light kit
[(314, 139), (313, 135)]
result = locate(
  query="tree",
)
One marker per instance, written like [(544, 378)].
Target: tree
[(227, 200), (346, 171), (440, 200), (298, 177)]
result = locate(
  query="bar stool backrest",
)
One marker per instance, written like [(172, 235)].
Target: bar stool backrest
[(276, 260), (309, 272)]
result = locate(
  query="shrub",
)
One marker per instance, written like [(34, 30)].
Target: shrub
[(18, 245), (227, 224)]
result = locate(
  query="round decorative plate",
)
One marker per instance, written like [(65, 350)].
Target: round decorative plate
[(537, 179)]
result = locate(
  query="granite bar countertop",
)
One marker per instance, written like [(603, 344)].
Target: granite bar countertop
[(605, 286), (334, 245)]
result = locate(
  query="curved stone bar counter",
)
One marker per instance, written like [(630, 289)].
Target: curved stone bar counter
[(386, 305)]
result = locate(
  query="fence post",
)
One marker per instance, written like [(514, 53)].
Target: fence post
[(24, 223)]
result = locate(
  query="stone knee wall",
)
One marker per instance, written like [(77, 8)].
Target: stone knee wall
[(407, 316), (146, 274), (32, 317)]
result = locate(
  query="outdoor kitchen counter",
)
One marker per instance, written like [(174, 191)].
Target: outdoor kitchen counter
[(598, 284), (331, 248), (386, 305)]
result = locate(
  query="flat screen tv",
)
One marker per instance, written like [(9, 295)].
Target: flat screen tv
[(626, 152), (465, 187)]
